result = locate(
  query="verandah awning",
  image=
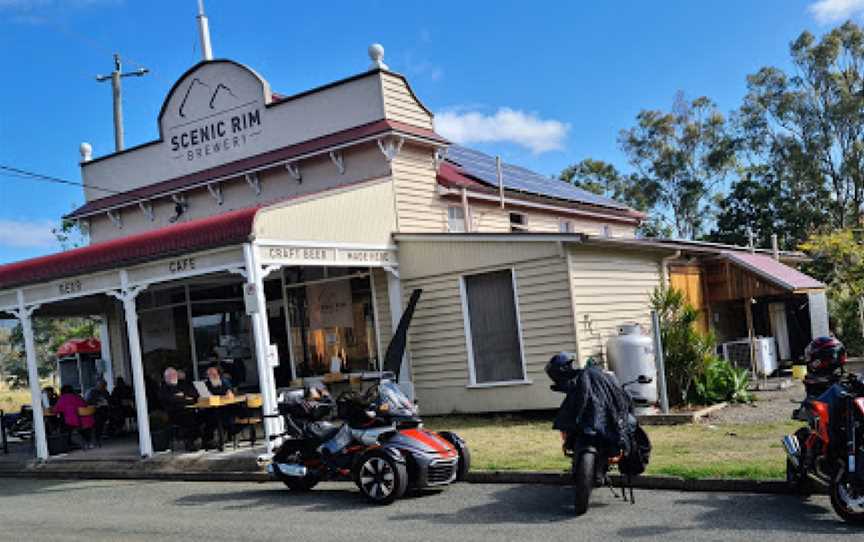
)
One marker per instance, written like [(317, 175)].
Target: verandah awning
[(233, 227)]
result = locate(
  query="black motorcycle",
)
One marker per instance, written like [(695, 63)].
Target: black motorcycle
[(598, 428)]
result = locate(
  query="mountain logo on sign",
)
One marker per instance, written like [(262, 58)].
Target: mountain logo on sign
[(221, 90)]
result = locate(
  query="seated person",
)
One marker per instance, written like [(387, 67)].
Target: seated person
[(122, 402), (122, 392), (217, 384), (99, 397), (49, 397), (174, 401), (67, 407)]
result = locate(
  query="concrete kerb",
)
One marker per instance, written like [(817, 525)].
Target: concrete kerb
[(668, 483)]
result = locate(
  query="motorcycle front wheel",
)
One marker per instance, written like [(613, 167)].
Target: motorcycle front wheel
[(847, 499), (380, 478), (583, 480)]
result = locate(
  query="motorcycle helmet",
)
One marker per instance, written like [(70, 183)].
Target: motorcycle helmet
[(825, 355), (560, 367)]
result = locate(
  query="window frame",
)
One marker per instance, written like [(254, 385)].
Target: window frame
[(451, 220), (518, 228), (565, 225), (469, 341)]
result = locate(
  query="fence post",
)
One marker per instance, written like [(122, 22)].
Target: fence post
[(659, 362)]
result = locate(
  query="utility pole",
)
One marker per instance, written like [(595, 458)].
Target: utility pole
[(117, 94)]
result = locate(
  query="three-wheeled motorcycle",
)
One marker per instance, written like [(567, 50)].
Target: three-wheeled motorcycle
[(375, 438)]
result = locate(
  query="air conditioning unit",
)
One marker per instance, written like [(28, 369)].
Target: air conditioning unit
[(738, 354)]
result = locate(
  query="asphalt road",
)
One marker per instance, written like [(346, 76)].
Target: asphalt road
[(95, 510)]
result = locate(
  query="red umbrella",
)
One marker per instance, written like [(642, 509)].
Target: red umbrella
[(79, 346)]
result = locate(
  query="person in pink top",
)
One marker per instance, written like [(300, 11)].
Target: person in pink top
[(67, 407)]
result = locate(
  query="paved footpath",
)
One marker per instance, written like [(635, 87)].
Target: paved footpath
[(48, 510)]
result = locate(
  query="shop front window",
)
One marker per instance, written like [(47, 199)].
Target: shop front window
[(332, 321), (194, 326), (164, 330), (223, 336)]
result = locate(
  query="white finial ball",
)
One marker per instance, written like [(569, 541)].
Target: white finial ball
[(86, 151), (376, 53)]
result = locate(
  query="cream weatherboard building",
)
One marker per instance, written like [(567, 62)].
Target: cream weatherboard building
[(281, 236)]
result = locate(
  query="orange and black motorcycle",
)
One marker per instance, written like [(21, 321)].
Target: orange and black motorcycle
[(375, 439), (830, 449)]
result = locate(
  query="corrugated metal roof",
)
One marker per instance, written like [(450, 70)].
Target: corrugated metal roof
[(773, 271), (226, 229), (482, 167)]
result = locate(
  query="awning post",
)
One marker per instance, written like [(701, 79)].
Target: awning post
[(261, 331), (24, 315), (127, 295)]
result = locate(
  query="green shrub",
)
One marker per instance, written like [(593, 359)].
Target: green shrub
[(693, 371), (721, 381)]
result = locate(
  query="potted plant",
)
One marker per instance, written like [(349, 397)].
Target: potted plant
[(160, 431)]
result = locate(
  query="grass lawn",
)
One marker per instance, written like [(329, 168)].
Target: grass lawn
[(11, 400), (513, 442)]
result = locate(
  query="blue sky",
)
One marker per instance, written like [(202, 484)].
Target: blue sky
[(542, 83)]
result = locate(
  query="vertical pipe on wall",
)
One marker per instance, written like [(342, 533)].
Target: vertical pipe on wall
[(466, 211), (660, 361)]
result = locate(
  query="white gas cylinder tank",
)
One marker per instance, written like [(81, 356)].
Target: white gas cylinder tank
[(631, 355)]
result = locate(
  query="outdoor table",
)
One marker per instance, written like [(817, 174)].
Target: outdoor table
[(224, 401)]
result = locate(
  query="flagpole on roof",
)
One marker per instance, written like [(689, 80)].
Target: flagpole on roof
[(204, 32)]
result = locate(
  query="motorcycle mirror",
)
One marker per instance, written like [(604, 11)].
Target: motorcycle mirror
[(644, 379)]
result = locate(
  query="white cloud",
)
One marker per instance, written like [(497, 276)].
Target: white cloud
[(506, 125), (23, 234), (830, 11)]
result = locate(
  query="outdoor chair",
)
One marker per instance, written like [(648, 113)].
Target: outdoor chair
[(248, 418)]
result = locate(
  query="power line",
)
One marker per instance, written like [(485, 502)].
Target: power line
[(30, 175)]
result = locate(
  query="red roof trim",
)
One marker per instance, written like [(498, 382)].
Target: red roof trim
[(230, 228), (258, 161)]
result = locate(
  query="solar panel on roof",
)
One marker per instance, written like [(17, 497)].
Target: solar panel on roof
[(482, 167)]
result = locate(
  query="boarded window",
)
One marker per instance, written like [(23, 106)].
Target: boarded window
[(493, 322)]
